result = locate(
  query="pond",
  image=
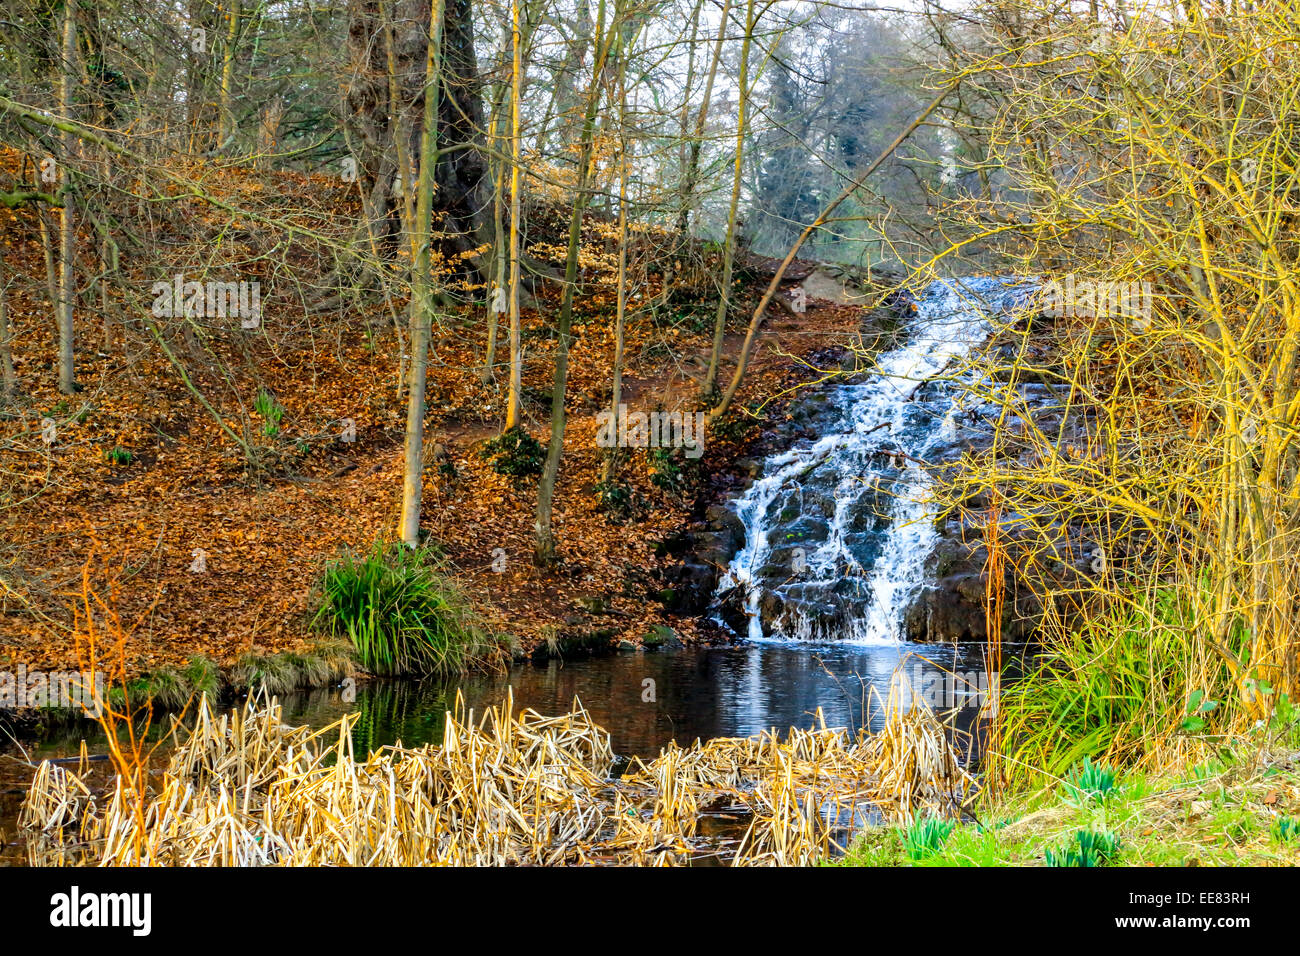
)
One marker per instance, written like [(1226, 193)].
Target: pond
[(643, 699)]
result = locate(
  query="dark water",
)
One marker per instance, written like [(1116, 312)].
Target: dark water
[(646, 700)]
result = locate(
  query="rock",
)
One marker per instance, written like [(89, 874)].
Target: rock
[(661, 636)]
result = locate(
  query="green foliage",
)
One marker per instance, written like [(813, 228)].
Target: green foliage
[(1197, 705), (926, 837), (269, 409), (670, 470), (1113, 685), (1285, 829), (619, 502), (1284, 721), (118, 455), (516, 454), (401, 615), (1089, 782), (1090, 848)]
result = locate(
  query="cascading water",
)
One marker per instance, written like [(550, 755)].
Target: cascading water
[(838, 530)]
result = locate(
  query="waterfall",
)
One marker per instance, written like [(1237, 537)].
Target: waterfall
[(838, 529)]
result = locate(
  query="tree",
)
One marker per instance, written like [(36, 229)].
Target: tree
[(422, 295), (544, 547)]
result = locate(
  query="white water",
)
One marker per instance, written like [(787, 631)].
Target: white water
[(879, 415)]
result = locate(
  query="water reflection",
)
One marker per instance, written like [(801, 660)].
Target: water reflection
[(646, 700)]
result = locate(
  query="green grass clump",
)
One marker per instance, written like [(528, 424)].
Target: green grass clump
[(1090, 848), (1285, 829), (1089, 782), (926, 836), (321, 663), (1122, 686), (269, 409), (172, 688), (400, 614)]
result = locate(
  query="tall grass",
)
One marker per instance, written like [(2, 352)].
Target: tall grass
[(1135, 682), (401, 614)]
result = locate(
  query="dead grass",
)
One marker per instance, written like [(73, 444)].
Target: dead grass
[(506, 788)]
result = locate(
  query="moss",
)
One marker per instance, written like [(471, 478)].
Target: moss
[(321, 663), (171, 688)]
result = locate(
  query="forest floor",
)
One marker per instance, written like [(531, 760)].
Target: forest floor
[(198, 554)]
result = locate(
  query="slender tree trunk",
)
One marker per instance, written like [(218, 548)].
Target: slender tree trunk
[(515, 388), (51, 267), (729, 246), (109, 264), (501, 263), (401, 133), (616, 382), (691, 178), (226, 121), (421, 289), (544, 552), (500, 242), (67, 223), (10, 380)]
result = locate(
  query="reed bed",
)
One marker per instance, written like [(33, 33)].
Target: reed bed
[(505, 788)]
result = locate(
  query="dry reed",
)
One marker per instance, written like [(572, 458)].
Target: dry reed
[(245, 789)]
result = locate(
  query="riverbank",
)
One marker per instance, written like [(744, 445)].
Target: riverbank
[(1239, 808)]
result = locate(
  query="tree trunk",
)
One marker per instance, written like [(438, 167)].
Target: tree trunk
[(729, 246), (422, 297), (67, 222), (226, 122), (544, 551), (373, 118), (6, 351), (515, 388), (616, 380)]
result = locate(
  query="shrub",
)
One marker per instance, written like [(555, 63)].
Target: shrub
[(516, 454), (619, 502), (401, 615)]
